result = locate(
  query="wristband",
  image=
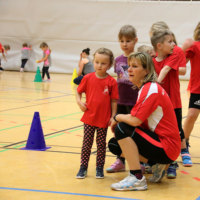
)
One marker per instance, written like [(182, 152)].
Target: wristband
[(115, 118)]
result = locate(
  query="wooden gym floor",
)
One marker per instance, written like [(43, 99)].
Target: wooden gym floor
[(50, 174)]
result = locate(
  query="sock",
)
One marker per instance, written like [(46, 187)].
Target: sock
[(184, 151), (122, 159), (137, 173), (151, 163)]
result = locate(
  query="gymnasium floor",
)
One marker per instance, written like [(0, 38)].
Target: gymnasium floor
[(50, 174)]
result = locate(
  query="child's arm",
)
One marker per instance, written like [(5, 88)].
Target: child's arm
[(163, 73), (113, 110), (4, 57), (82, 105), (80, 65), (126, 118), (188, 43), (43, 59), (182, 71), (113, 107)]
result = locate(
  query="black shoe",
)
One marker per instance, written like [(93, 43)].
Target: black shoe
[(99, 172), (1, 69), (82, 173)]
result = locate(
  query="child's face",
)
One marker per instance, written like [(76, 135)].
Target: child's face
[(44, 48), (127, 45), (167, 46), (101, 64)]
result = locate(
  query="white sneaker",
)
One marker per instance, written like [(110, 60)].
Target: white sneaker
[(158, 171), (130, 183)]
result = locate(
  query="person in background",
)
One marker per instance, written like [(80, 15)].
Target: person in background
[(127, 37), (3, 50), (25, 55), (192, 53), (85, 65), (46, 59)]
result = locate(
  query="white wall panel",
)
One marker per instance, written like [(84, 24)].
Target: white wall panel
[(68, 26)]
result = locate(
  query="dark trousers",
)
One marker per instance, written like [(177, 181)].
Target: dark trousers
[(88, 142), (45, 70), (24, 61)]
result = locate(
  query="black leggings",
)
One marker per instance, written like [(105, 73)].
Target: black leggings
[(148, 143), (24, 61), (45, 70), (87, 145), (178, 112)]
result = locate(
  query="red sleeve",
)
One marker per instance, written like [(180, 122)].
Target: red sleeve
[(182, 58), (145, 105), (190, 52), (172, 61)]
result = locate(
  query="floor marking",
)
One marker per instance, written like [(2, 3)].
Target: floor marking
[(68, 193), (196, 178), (184, 172), (27, 106), (50, 134), (52, 118), (53, 97)]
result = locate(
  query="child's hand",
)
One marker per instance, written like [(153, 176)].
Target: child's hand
[(82, 106), (37, 61), (113, 125)]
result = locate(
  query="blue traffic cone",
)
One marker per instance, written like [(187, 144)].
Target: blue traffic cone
[(36, 138)]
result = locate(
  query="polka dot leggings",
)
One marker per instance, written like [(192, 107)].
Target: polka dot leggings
[(88, 142)]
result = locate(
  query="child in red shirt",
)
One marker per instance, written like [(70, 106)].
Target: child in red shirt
[(167, 65), (100, 107), (3, 50), (193, 54)]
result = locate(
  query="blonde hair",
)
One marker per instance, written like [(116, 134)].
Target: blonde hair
[(43, 45), (127, 31), (159, 37), (145, 49), (196, 34), (159, 27), (105, 51), (147, 64), (6, 47)]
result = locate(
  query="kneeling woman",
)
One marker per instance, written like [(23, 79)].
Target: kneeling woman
[(150, 132)]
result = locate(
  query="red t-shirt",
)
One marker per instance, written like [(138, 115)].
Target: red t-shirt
[(155, 110), (1, 48), (193, 53), (99, 93), (181, 55), (171, 82)]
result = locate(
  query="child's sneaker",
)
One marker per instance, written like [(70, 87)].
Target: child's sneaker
[(186, 158), (130, 183), (82, 173), (117, 166), (99, 172), (158, 171), (148, 168), (171, 171)]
